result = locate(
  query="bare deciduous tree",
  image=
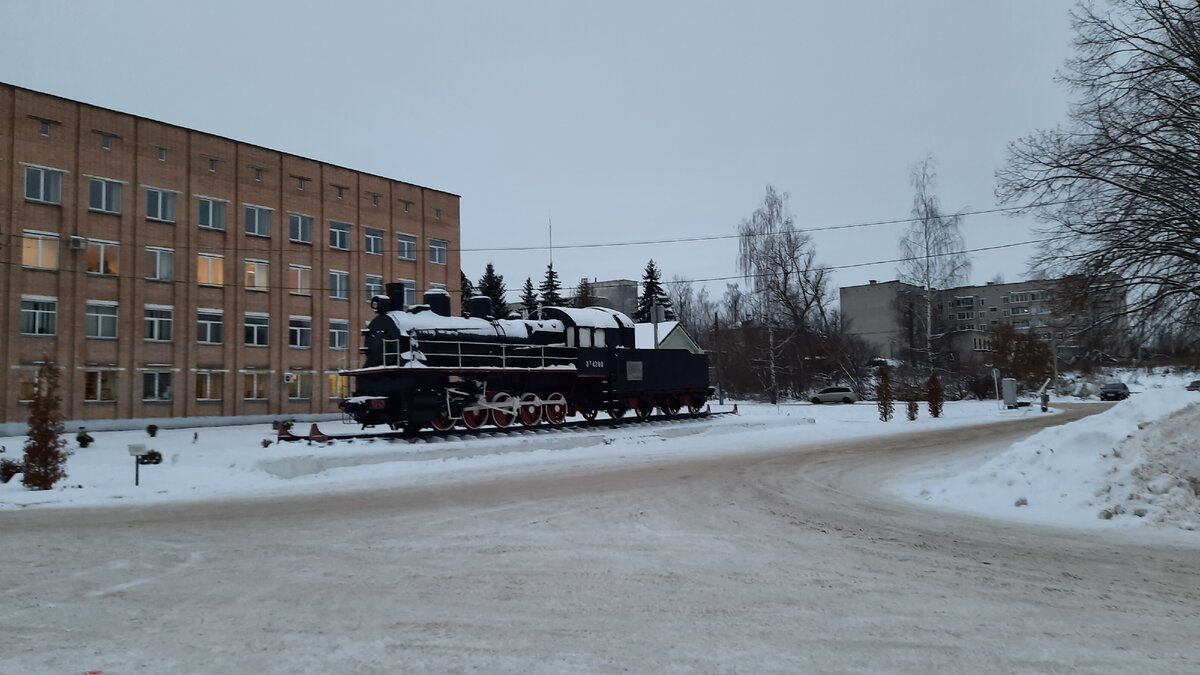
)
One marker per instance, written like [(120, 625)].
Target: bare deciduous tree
[(1119, 186)]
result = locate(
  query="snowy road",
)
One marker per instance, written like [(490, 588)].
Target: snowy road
[(780, 561)]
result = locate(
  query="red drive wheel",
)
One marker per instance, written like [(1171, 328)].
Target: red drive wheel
[(442, 422), (530, 412), (475, 417), (504, 408), (556, 408)]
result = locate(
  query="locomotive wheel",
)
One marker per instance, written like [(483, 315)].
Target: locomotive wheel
[(556, 408), (530, 412), (617, 411), (644, 408), (473, 418), (695, 404), (588, 414), (504, 410), (671, 407), (442, 422)]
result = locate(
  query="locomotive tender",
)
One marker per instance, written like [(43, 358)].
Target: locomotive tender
[(425, 367)]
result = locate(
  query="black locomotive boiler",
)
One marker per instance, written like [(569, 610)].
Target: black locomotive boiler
[(425, 367)]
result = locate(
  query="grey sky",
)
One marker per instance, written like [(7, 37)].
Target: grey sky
[(618, 121)]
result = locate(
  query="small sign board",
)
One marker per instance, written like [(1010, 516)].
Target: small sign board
[(138, 449)]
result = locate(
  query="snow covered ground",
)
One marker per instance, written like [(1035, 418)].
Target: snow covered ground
[(1136, 464)]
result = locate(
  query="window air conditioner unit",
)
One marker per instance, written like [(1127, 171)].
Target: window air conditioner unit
[(77, 243), (289, 378)]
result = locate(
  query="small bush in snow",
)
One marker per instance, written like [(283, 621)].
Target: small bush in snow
[(8, 469), (912, 411), (935, 395), (152, 430), (883, 395)]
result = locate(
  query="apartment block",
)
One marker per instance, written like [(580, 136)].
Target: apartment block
[(173, 273)]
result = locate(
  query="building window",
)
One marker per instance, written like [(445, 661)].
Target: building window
[(43, 185), (209, 325), (254, 386), (437, 213), (156, 386), (410, 291), (106, 141), (39, 315), (407, 206), (372, 240), (102, 257), (258, 221), (209, 385), (339, 285), (339, 334), (300, 279), (212, 164), (339, 386), (374, 286), (104, 195), (300, 388), (45, 129), (160, 205), (162, 154), (339, 235), (406, 247), (160, 321), (101, 320), (300, 332), (374, 199), (257, 329), (210, 269), (160, 264), (258, 174), (27, 386), (40, 250), (99, 386), (437, 251), (212, 214), (257, 272), (300, 228)]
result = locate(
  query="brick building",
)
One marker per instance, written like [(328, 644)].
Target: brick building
[(173, 273)]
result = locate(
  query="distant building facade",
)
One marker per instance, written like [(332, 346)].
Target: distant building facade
[(173, 273), (890, 317), (618, 294)]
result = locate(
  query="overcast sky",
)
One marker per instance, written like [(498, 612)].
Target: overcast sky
[(614, 121)]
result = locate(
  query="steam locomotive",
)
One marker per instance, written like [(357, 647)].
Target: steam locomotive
[(425, 367)]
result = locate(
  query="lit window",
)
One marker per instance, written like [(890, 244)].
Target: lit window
[(300, 228), (99, 386), (156, 386), (43, 185), (374, 286), (300, 388), (160, 264), (27, 386), (160, 205), (39, 250), (209, 385), (257, 272), (339, 235), (104, 195), (257, 329), (339, 334), (209, 325), (101, 320), (210, 269), (212, 214), (437, 251), (39, 315), (102, 257), (372, 240), (254, 386), (406, 247), (258, 221), (339, 386), (160, 322), (300, 279), (339, 285), (300, 332)]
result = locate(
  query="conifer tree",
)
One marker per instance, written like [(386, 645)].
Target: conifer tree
[(466, 291), (46, 450), (550, 288), (584, 295), (935, 395), (884, 395), (652, 294), (529, 298), (492, 285)]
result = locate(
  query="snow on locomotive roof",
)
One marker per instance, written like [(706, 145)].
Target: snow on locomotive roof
[(594, 317), (425, 320)]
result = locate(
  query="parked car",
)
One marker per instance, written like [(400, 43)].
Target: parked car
[(1114, 391), (835, 395), (1194, 386)]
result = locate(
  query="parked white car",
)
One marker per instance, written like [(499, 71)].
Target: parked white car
[(835, 395)]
